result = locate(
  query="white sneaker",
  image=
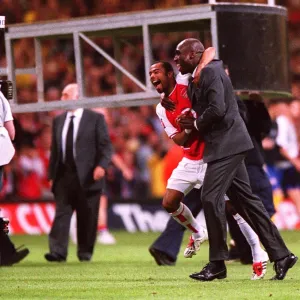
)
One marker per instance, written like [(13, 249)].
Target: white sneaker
[(194, 244), (106, 238), (260, 268)]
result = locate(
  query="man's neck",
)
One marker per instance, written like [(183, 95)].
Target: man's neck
[(167, 93)]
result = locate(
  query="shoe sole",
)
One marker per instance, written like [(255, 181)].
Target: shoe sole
[(199, 279), (190, 255)]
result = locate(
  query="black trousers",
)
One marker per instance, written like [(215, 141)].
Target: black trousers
[(262, 188), (71, 197), (7, 249), (229, 175), (170, 240)]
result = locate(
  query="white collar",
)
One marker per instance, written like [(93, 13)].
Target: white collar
[(194, 72), (77, 113)]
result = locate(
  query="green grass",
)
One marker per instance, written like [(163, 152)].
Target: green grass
[(127, 271)]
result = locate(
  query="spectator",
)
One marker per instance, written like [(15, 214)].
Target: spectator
[(80, 154), (282, 151)]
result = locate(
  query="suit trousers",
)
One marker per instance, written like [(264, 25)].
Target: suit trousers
[(262, 188), (229, 175), (70, 197), (170, 240)]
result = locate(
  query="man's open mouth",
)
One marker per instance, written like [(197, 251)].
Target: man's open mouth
[(156, 82)]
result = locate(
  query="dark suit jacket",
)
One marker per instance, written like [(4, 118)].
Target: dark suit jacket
[(219, 121), (259, 123), (93, 148)]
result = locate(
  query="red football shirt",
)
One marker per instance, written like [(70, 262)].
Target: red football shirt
[(194, 147)]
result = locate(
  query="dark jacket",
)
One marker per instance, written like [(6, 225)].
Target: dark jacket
[(93, 148), (219, 121), (259, 124)]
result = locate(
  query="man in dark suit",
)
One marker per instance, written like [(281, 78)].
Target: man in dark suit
[(166, 247), (258, 122), (226, 144), (80, 152)]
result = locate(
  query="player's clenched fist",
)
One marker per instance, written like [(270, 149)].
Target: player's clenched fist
[(186, 120)]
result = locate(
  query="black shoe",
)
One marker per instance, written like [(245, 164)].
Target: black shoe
[(16, 257), (210, 272), (53, 257), (282, 266), (84, 258), (161, 258)]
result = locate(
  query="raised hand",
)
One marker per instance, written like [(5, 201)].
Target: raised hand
[(166, 102)]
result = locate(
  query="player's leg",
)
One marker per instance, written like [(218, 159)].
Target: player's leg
[(259, 256), (173, 204), (252, 210), (182, 180), (166, 247), (104, 236)]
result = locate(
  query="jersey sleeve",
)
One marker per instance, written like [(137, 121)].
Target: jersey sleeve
[(167, 125)]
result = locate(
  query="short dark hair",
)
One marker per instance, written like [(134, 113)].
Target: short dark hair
[(166, 65)]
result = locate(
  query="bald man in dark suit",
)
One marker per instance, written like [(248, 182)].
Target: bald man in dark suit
[(80, 152), (226, 144)]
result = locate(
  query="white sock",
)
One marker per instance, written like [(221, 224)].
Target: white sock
[(251, 237), (184, 216)]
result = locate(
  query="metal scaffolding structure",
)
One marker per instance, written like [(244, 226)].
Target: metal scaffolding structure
[(81, 30), (117, 26)]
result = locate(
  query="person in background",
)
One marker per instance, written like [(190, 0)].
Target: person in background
[(9, 255), (29, 172), (81, 151), (105, 237), (282, 151)]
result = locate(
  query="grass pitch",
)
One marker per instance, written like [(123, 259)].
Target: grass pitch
[(127, 271)]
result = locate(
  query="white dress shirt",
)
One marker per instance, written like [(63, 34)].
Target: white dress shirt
[(76, 121)]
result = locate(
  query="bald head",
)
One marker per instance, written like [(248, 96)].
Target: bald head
[(192, 45), (188, 54), (70, 92)]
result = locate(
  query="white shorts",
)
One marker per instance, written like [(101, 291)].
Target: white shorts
[(188, 175)]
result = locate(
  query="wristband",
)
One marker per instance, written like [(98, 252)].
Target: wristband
[(187, 131), (195, 124)]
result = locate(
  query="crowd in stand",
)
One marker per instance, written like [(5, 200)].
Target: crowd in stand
[(136, 133)]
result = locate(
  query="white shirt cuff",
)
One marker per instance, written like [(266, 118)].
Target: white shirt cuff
[(195, 124)]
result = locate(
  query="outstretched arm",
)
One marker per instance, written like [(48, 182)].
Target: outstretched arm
[(121, 165)]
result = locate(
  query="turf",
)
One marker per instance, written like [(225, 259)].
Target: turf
[(127, 271)]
